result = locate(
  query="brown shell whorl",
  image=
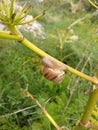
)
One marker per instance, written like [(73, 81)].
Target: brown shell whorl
[(52, 70)]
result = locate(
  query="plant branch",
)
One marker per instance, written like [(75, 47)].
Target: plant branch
[(94, 5), (21, 12), (7, 35), (34, 19), (18, 111), (11, 8), (5, 7), (43, 110), (44, 54), (84, 123), (23, 16), (70, 69)]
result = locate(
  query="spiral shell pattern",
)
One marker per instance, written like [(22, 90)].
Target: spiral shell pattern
[(52, 70)]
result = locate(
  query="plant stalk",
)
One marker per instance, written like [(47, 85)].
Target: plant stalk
[(70, 69), (6, 35), (93, 99), (34, 19), (94, 5), (43, 110), (38, 51)]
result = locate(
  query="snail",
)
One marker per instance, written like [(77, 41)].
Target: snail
[(53, 70)]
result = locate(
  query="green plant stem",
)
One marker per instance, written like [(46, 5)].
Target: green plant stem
[(6, 35), (21, 12), (11, 8), (5, 7), (44, 54), (34, 19), (70, 69), (94, 5), (93, 98)]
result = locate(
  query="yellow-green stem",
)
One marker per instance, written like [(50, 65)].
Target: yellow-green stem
[(44, 54), (94, 5), (34, 19), (11, 8), (6, 35), (4, 7), (70, 69), (93, 98), (20, 13)]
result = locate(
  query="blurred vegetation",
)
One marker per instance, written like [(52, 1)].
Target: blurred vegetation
[(21, 68)]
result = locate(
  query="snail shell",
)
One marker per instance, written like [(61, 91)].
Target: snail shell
[(52, 63), (52, 71), (54, 75)]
